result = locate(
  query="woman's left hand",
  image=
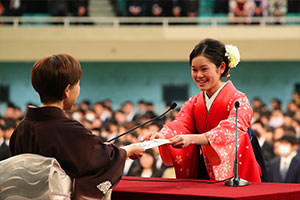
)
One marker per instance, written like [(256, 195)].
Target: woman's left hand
[(180, 141)]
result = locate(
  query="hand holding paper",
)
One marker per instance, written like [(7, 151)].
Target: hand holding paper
[(149, 144)]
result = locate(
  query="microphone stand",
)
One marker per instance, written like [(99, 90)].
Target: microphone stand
[(236, 181), (171, 108)]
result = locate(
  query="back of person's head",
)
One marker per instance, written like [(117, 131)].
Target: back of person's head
[(51, 75), (213, 50)]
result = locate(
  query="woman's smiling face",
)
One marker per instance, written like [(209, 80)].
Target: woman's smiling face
[(206, 75)]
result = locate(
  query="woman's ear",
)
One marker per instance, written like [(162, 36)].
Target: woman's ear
[(222, 68), (66, 91)]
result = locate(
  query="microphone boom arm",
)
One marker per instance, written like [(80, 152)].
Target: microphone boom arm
[(147, 122)]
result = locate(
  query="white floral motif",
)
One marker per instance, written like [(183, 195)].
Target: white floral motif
[(178, 159), (104, 187)]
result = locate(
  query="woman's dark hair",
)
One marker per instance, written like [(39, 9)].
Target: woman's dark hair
[(213, 50), (51, 75)]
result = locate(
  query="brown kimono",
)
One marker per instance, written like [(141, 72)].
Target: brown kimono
[(47, 131)]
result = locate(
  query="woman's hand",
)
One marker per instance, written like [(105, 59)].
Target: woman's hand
[(134, 151), (152, 136), (180, 141)]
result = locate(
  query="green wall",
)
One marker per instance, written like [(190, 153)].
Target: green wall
[(122, 81)]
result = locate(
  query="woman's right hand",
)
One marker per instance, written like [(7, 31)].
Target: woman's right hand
[(152, 136)]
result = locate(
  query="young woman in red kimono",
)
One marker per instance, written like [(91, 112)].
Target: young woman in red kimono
[(203, 134), (47, 131)]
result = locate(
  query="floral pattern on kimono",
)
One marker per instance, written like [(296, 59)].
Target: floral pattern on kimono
[(219, 125)]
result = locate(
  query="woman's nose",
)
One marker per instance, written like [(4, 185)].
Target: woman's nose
[(199, 75)]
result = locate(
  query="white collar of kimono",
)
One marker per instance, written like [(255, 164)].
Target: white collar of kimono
[(209, 101)]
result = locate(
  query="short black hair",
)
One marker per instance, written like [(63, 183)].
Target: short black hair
[(289, 138)]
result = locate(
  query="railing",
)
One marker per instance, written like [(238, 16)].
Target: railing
[(159, 21)]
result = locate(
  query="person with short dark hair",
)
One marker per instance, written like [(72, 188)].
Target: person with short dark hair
[(47, 131), (266, 147), (286, 167), (202, 137)]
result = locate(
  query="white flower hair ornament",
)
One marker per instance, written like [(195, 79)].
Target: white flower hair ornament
[(233, 55)]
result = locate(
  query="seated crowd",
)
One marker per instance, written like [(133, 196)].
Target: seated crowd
[(155, 8), (277, 130)]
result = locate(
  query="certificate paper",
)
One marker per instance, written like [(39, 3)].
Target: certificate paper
[(152, 143)]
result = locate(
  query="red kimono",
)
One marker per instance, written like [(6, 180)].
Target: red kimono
[(218, 125)]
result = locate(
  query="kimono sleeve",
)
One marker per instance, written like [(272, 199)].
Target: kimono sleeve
[(103, 171), (183, 124)]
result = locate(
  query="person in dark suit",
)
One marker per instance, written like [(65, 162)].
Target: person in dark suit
[(4, 148), (266, 147), (286, 168)]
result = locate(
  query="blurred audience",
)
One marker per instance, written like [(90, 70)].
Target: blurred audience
[(238, 11), (270, 123), (51, 7)]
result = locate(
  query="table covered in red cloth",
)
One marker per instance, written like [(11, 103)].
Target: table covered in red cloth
[(132, 188)]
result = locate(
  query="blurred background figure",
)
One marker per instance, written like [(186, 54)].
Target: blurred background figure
[(11, 7), (278, 8), (241, 9), (286, 167), (260, 8), (191, 8), (154, 8), (173, 8), (4, 146), (146, 166), (135, 8), (129, 111), (266, 146)]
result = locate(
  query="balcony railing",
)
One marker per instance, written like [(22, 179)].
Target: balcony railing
[(146, 21)]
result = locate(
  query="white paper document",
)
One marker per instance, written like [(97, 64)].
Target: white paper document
[(152, 143)]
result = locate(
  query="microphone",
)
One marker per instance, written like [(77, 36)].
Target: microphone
[(236, 181), (171, 108)]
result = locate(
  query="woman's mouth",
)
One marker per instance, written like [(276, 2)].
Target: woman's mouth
[(201, 82)]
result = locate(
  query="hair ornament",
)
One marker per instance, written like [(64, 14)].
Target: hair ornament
[(233, 55)]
